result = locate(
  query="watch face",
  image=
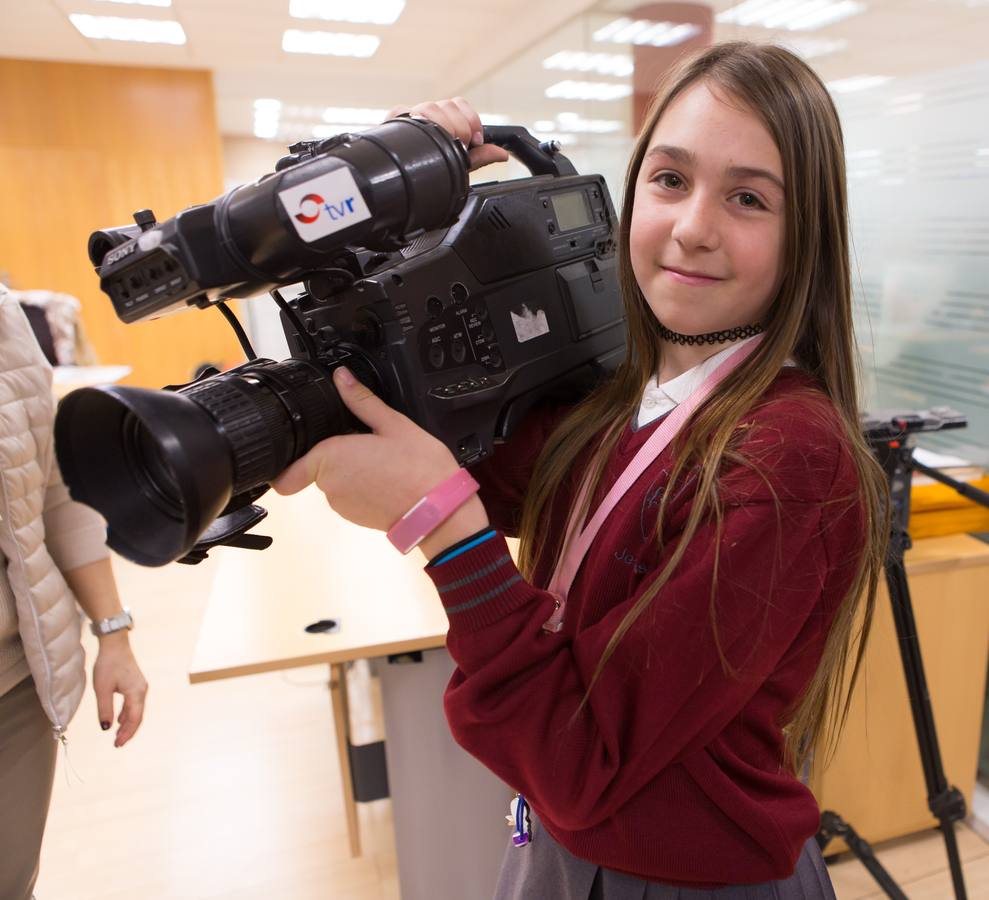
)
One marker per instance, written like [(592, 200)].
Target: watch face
[(115, 623)]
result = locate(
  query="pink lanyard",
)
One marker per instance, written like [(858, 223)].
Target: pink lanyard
[(576, 545)]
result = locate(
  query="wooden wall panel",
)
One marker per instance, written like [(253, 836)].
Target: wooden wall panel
[(82, 147)]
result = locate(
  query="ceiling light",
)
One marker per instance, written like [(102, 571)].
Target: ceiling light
[(335, 114), (588, 90), (114, 28), (495, 119), (265, 129), (329, 43), (856, 83), (375, 12), (617, 64), (325, 131), (810, 47), (568, 121), (576, 124), (266, 115), (646, 32), (142, 2), (790, 15)]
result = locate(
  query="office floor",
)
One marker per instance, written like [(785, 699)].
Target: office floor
[(231, 790)]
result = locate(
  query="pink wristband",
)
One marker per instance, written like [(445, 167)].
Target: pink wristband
[(432, 510)]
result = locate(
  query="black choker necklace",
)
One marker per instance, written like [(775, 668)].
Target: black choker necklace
[(714, 337)]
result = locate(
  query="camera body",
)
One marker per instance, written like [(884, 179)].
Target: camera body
[(460, 306), (464, 328)]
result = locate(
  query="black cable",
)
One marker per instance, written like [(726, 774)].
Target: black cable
[(293, 317), (245, 342)]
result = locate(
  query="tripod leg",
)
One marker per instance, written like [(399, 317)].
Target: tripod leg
[(832, 826), (945, 802), (954, 859)]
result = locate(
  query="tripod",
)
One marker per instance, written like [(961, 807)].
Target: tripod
[(890, 440)]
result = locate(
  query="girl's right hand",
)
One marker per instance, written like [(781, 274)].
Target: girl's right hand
[(459, 118)]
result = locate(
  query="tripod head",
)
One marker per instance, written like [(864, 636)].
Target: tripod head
[(892, 439)]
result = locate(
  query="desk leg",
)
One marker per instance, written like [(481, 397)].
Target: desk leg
[(341, 721)]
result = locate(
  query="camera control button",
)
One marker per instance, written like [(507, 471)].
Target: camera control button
[(436, 356), (434, 306), (458, 351)]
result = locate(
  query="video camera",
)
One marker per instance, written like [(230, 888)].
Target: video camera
[(461, 307)]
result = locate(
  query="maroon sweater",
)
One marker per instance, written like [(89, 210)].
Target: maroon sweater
[(674, 771)]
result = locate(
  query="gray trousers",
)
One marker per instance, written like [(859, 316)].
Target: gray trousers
[(27, 770), (546, 871)]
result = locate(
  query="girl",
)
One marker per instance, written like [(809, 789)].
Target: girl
[(696, 537)]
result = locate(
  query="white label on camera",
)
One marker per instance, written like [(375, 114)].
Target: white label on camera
[(529, 322), (323, 205), (149, 240)]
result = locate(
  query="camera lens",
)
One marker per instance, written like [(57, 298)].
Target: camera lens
[(271, 413), (149, 468), (162, 465)]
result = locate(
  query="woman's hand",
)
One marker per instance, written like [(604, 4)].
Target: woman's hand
[(459, 118), (116, 672), (374, 479)]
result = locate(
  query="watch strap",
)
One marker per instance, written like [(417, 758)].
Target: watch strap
[(120, 622)]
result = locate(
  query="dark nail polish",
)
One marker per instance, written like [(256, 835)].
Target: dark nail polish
[(105, 726)]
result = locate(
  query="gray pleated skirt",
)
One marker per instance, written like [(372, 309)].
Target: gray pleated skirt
[(546, 871)]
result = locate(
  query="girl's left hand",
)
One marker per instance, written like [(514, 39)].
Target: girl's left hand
[(371, 479)]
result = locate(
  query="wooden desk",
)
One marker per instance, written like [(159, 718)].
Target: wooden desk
[(69, 378), (319, 567)]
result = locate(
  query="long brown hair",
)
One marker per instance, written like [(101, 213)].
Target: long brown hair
[(810, 321)]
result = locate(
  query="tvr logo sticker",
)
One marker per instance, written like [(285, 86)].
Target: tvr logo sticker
[(334, 210), (323, 205)]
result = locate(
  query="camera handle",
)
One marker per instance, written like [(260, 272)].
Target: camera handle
[(539, 157)]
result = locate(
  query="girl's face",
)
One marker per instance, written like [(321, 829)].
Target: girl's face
[(707, 220)]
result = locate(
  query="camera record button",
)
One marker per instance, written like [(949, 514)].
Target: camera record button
[(447, 391), (436, 356)]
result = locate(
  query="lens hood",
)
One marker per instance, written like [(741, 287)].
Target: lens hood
[(151, 462)]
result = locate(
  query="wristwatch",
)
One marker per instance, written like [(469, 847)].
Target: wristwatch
[(118, 622)]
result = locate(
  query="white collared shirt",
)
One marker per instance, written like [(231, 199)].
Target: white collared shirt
[(658, 399)]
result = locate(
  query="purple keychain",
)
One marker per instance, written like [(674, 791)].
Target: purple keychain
[(520, 820)]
